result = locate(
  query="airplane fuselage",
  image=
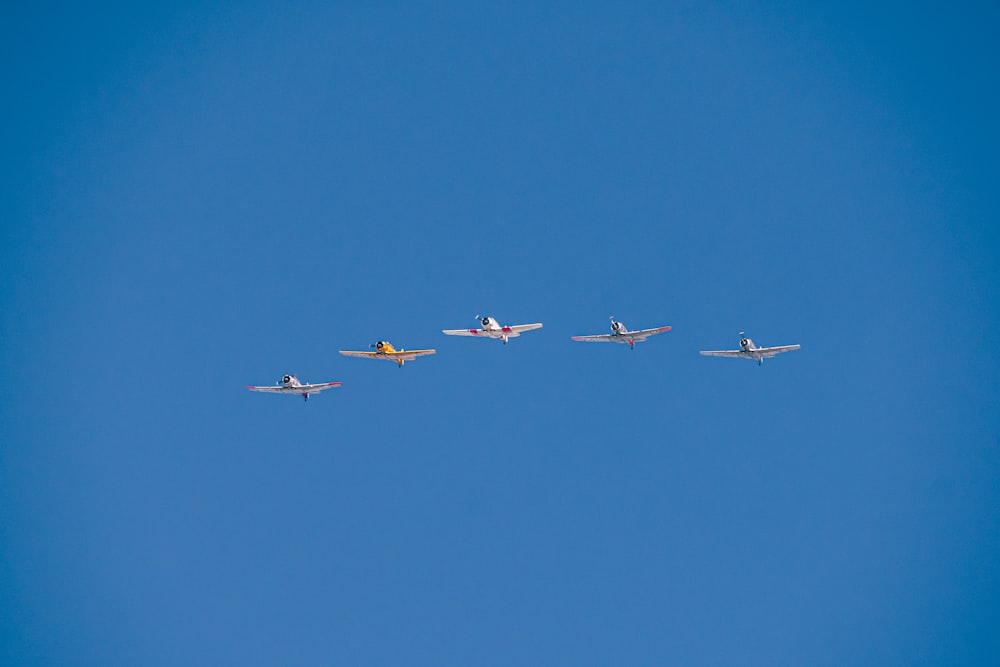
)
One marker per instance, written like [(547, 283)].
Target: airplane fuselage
[(619, 330), (748, 349), (384, 347), (493, 329)]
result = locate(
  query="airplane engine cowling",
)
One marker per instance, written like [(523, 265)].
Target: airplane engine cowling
[(486, 321), (287, 379)]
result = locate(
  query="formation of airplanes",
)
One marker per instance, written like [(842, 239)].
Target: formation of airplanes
[(289, 384)]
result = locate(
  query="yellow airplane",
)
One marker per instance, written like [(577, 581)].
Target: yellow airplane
[(385, 350)]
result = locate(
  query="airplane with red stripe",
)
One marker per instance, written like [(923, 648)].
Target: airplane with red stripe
[(493, 329), (621, 334)]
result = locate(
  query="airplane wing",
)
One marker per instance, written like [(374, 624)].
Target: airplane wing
[(363, 355), (646, 333), (600, 338), (273, 388), (768, 352), (518, 329), (409, 355), (463, 332), (315, 388), (722, 353)]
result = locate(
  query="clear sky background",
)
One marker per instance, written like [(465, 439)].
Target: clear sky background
[(200, 197)]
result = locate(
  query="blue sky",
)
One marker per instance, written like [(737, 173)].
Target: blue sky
[(199, 198)]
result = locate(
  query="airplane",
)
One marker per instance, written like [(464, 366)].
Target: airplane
[(750, 351), (385, 350), (289, 384), (493, 329), (621, 334)]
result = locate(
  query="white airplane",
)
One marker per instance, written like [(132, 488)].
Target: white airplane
[(289, 384), (750, 351), (621, 334), (493, 329)]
